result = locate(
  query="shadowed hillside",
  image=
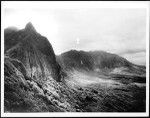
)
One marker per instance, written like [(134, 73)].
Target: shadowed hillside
[(98, 61)]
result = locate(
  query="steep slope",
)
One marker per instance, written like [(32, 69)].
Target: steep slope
[(34, 51), (25, 94), (32, 76)]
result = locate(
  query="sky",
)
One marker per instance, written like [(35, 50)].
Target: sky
[(120, 30)]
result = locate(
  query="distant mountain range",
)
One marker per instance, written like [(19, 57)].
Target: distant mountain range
[(98, 61)]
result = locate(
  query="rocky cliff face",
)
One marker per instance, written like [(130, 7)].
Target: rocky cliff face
[(34, 52), (32, 75)]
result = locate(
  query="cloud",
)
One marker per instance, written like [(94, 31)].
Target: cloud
[(133, 51), (136, 58)]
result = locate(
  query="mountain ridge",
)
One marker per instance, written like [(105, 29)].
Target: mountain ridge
[(96, 61), (29, 42)]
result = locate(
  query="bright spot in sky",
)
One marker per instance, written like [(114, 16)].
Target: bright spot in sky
[(78, 40)]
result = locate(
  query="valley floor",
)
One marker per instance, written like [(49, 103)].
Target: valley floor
[(102, 94)]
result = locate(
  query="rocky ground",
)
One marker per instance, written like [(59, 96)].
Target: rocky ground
[(105, 94)]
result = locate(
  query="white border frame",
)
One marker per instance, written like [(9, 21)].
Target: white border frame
[(71, 5)]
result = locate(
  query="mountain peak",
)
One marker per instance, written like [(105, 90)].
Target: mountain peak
[(29, 27)]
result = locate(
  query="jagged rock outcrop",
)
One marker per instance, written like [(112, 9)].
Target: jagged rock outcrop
[(34, 51), (32, 76), (25, 94)]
